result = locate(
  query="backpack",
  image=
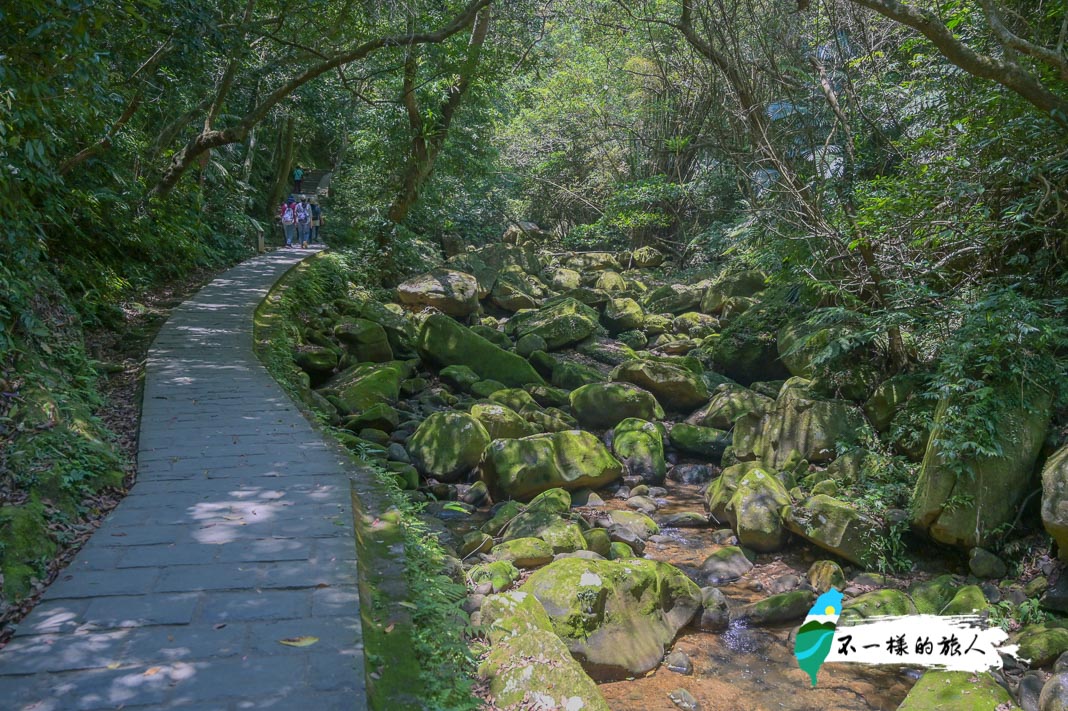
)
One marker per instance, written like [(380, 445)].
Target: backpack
[(288, 215), (302, 213)]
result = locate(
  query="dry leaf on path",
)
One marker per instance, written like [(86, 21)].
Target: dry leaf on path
[(305, 641)]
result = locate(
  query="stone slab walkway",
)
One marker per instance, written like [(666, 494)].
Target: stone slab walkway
[(238, 534)]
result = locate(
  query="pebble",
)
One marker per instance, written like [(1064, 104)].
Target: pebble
[(684, 700), (679, 663)]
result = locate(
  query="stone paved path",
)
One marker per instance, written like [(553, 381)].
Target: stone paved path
[(238, 534)]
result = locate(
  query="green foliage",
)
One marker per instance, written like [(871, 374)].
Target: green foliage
[(1010, 617)]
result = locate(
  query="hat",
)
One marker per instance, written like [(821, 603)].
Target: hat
[(290, 200)]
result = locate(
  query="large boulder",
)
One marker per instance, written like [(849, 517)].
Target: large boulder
[(957, 691), (1055, 500), (986, 490), (887, 399), (647, 257), (610, 281), (802, 423), (443, 341), (853, 373), (702, 442), (622, 314), (522, 638), (756, 511), (720, 492), (515, 290), (673, 299), (564, 279), (730, 401), (451, 292), (836, 526), (365, 339), (522, 468), (357, 388), (616, 617), (604, 405), (743, 284), (592, 261), (397, 323), (447, 445), (501, 421), (676, 388), (561, 324), (544, 519), (640, 445)]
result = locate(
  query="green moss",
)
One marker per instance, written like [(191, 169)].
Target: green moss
[(704, 442), (957, 691), (447, 445), (604, 405), (521, 468), (26, 544), (500, 574), (445, 342)]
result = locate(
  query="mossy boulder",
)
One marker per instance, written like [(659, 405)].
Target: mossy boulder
[(459, 377), (442, 341), (547, 396), (515, 672), (515, 290), (957, 691), (609, 281), (637, 523), (676, 388), (622, 314), (969, 600), (1042, 644), (1055, 500), (877, 603), (724, 565), (694, 324), (591, 261), (357, 388), (756, 509), (719, 492), (606, 350), (522, 468), (451, 292), (502, 516), (317, 362), (639, 444), (800, 424), (380, 417), (988, 489), (776, 609), (745, 283), (837, 527), (561, 324), (501, 422), (633, 339), (702, 442), (604, 405), (853, 373), (824, 575), (931, 596), (530, 344), (565, 279), (889, 397), (616, 617), (523, 552), (727, 403), (647, 257), (400, 331), (494, 336), (571, 376), (517, 399), (673, 299), (364, 339), (500, 574), (447, 445)]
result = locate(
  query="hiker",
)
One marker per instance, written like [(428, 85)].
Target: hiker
[(288, 216), (316, 219), (303, 211), (298, 178)]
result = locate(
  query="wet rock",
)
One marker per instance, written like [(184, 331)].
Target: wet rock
[(521, 633), (675, 388), (640, 446), (835, 526), (684, 519), (604, 405), (522, 468), (691, 473), (451, 292), (824, 575), (679, 662), (444, 342), (956, 691), (684, 700), (448, 444), (985, 564), (724, 566), (776, 609), (784, 583), (715, 613), (640, 524), (995, 485), (616, 617), (586, 498)]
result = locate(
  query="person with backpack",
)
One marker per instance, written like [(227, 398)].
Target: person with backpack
[(303, 214), (288, 215), (298, 178), (316, 219)]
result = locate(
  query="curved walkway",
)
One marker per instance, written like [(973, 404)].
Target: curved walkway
[(237, 535)]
